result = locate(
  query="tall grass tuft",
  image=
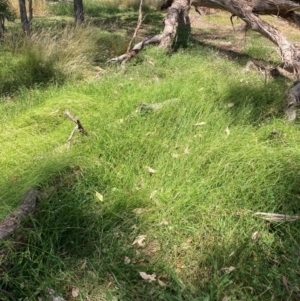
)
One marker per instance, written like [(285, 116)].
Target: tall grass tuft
[(48, 56)]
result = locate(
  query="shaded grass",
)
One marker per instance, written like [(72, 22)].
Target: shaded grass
[(203, 194), (197, 206)]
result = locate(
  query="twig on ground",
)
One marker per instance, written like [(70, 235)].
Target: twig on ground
[(275, 217), (78, 126), (139, 23)]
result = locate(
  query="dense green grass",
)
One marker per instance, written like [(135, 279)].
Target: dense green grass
[(196, 208)]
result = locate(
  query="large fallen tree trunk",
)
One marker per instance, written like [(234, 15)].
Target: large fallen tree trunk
[(247, 10)]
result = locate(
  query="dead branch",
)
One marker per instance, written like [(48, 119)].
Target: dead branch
[(135, 50), (139, 23), (11, 223), (275, 217), (78, 126)]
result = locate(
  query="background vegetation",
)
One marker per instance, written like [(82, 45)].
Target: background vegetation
[(170, 191)]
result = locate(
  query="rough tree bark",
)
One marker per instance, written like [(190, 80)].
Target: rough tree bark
[(78, 11), (24, 20), (178, 13), (2, 21), (30, 9), (247, 10)]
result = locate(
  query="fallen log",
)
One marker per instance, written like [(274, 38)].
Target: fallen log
[(12, 221)]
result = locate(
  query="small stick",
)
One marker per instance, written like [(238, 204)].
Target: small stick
[(77, 121), (78, 127), (139, 23)]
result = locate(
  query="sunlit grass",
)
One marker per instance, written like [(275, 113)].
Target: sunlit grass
[(216, 161)]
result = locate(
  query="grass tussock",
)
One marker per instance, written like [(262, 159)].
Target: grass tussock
[(70, 54), (168, 192)]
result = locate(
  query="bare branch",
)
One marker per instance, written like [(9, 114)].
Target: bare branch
[(139, 23), (275, 217), (78, 127), (136, 49), (77, 121)]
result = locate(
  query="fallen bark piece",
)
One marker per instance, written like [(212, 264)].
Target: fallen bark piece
[(10, 223), (275, 217), (293, 98)]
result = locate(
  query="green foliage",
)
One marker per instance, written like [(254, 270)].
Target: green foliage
[(6, 11), (216, 160)]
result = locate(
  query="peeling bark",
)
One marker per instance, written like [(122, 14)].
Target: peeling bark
[(247, 10), (177, 11)]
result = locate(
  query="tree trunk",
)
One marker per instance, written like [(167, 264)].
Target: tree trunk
[(246, 10), (24, 20), (2, 20), (78, 11), (30, 9), (177, 13)]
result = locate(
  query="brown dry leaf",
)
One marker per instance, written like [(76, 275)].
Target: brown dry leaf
[(200, 123), (255, 235), (151, 170), (161, 283), (139, 210), (75, 292), (148, 277), (140, 240)]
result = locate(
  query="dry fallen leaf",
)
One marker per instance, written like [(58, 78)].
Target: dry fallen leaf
[(139, 210), (200, 123), (255, 235), (161, 283), (151, 170), (140, 240), (99, 196), (148, 277), (153, 193), (285, 282), (127, 260), (229, 269), (230, 105), (75, 292), (186, 151), (164, 222)]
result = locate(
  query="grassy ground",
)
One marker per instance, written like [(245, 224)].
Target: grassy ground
[(168, 192)]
